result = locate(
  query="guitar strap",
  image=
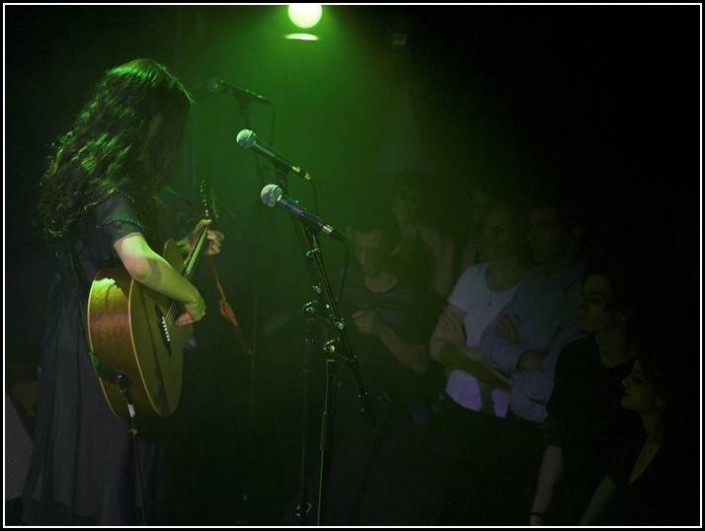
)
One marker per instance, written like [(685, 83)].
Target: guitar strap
[(226, 310), (100, 368)]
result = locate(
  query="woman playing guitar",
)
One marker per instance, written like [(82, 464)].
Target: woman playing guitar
[(99, 210)]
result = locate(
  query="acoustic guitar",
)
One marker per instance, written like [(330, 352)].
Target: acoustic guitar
[(131, 330)]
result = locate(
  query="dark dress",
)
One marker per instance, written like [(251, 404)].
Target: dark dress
[(82, 468)]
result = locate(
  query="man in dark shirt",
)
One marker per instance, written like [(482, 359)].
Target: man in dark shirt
[(389, 321)]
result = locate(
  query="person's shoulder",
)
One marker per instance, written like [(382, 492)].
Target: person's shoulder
[(469, 277), (116, 209), (534, 279), (110, 197), (476, 270), (578, 352)]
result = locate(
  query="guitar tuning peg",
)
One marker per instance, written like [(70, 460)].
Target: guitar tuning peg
[(208, 200)]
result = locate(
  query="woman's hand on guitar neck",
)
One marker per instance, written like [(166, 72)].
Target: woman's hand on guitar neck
[(215, 239), (195, 311)]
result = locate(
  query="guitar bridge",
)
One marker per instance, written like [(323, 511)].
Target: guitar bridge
[(163, 329)]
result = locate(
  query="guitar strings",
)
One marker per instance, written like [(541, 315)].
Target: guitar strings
[(193, 257)]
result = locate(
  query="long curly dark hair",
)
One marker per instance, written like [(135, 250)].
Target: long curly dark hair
[(126, 138)]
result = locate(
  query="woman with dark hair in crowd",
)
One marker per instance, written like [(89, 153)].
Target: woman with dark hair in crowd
[(585, 415), (656, 484)]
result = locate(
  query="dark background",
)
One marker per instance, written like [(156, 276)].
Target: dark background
[(602, 101)]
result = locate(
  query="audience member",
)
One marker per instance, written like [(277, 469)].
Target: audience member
[(524, 341), (585, 416), (478, 395), (389, 322), (425, 253), (656, 484)]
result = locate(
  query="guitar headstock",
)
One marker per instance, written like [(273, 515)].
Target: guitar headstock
[(209, 201)]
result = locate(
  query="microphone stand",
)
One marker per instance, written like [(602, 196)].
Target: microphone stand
[(310, 314), (325, 310), (244, 111), (303, 506)]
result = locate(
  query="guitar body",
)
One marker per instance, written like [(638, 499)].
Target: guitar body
[(129, 329)]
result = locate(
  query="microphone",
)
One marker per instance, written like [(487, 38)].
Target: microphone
[(248, 140), (215, 86), (273, 195)]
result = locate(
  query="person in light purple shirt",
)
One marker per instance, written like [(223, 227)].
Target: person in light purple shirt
[(523, 343), (477, 298), (525, 339), (476, 396)]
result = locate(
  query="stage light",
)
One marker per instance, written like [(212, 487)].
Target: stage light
[(305, 15)]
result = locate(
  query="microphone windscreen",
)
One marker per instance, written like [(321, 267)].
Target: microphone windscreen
[(246, 138), (271, 194)]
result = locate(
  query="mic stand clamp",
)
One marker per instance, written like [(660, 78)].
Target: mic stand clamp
[(282, 180)]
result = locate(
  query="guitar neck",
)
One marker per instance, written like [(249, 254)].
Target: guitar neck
[(195, 255)]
